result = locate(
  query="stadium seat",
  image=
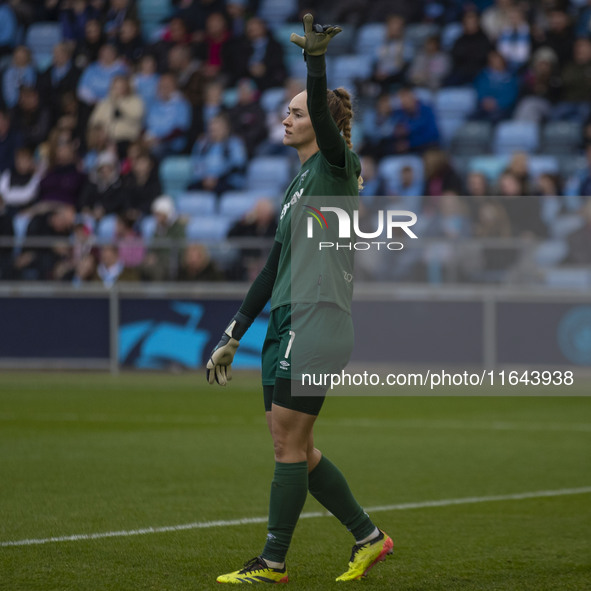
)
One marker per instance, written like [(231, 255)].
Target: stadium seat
[(270, 174), (390, 166), (449, 34), (106, 228), (561, 137), (152, 14), (342, 43), (272, 98), (234, 204), (176, 173), (550, 253), (568, 277), (564, 225), (194, 203), (345, 69), (516, 136), (207, 228), (455, 101), (543, 164), (276, 12), (148, 228), (472, 137), (489, 166), (369, 37), (282, 34), (448, 128), (41, 39)]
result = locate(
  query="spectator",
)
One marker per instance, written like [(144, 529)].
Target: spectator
[(118, 12), (440, 178), (130, 44), (402, 191), (415, 128), (496, 18), (97, 141), (87, 50), (560, 35), (257, 56), (259, 222), (519, 168), (19, 185), (496, 89), (63, 181), (378, 128), (393, 55), (103, 193), (85, 271), (96, 79), (6, 232), (514, 41), (218, 159), (211, 49), (579, 242), (162, 262), (8, 28), (576, 88), (10, 139), (477, 185), (523, 210), (247, 118), (31, 117), (62, 76), (430, 66), (39, 263), (540, 87), (21, 72), (145, 80), (212, 102), (469, 52), (111, 268), (197, 265), (121, 114), (129, 241), (74, 17), (141, 186), (168, 119), (372, 183), (188, 75), (579, 185)]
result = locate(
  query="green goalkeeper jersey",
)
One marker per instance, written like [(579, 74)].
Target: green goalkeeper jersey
[(316, 265)]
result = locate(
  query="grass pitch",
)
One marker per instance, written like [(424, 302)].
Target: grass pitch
[(91, 454)]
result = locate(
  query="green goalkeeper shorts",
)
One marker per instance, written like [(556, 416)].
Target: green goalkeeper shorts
[(306, 339)]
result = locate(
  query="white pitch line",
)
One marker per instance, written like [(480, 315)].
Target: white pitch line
[(249, 520)]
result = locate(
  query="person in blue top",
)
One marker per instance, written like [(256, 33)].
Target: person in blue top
[(310, 326)]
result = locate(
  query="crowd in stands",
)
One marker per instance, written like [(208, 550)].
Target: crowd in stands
[(146, 132)]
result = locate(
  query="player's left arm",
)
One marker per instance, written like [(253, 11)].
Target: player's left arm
[(315, 43)]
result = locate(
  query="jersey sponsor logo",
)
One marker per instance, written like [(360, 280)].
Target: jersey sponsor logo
[(294, 199)]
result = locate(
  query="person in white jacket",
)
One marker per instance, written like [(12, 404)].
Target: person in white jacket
[(19, 185)]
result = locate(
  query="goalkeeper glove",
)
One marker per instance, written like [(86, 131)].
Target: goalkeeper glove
[(219, 366), (316, 37)]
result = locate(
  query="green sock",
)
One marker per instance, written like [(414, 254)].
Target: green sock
[(288, 495), (329, 487)]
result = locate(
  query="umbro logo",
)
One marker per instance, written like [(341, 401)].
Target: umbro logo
[(284, 364)]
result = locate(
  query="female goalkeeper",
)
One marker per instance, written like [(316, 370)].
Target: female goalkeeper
[(310, 328)]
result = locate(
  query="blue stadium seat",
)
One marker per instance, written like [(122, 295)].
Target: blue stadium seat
[(234, 204), (449, 127), (455, 101), (342, 43), (272, 98), (564, 225), (471, 138), (207, 229), (41, 39), (148, 228), (516, 136), (276, 12), (489, 166), (543, 164), (550, 253), (176, 173), (270, 174), (561, 137), (390, 166), (573, 277), (282, 34), (369, 37), (194, 203), (106, 228), (346, 68), (152, 14)]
